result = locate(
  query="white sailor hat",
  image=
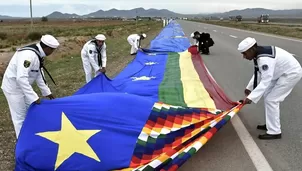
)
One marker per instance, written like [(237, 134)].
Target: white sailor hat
[(192, 35), (50, 41), (144, 35), (246, 44), (100, 37)]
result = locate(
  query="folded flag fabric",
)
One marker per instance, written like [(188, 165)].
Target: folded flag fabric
[(159, 111)]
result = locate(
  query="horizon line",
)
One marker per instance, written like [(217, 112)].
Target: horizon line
[(206, 13)]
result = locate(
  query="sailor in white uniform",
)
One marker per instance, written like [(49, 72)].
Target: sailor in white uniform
[(278, 72), (135, 41), (94, 54), (24, 68)]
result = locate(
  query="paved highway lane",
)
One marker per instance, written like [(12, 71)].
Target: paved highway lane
[(232, 148)]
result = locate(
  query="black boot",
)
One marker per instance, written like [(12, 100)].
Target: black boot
[(262, 127), (207, 50), (269, 136)]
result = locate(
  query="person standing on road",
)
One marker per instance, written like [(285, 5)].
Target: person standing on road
[(135, 41), (94, 54), (279, 72), (24, 68)]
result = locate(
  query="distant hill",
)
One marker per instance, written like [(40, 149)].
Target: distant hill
[(255, 12), (119, 13), (246, 13), (57, 14), (134, 12), (5, 17)]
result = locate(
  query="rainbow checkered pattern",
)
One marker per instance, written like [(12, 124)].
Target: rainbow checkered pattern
[(173, 134)]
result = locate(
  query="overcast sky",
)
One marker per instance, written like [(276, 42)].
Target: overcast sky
[(45, 7)]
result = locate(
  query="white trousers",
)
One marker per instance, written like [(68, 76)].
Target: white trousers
[(133, 49), (275, 94), (88, 68), (18, 106)]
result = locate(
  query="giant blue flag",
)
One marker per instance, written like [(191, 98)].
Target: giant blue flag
[(159, 111)]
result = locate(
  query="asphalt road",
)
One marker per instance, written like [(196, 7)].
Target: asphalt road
[(225, 151)]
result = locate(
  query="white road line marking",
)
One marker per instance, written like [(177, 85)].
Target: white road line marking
[(249, 144), (233, 36), (215, 30)]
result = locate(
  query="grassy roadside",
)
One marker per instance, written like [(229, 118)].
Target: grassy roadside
[(16, 33), (283, 30), (65, 66)]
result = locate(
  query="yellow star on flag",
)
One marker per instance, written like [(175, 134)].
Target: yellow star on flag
[(70, 140)]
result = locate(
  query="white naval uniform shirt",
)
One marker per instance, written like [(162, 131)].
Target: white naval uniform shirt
[(272, 67), (89, 50), (22, 70), (135, 39)]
